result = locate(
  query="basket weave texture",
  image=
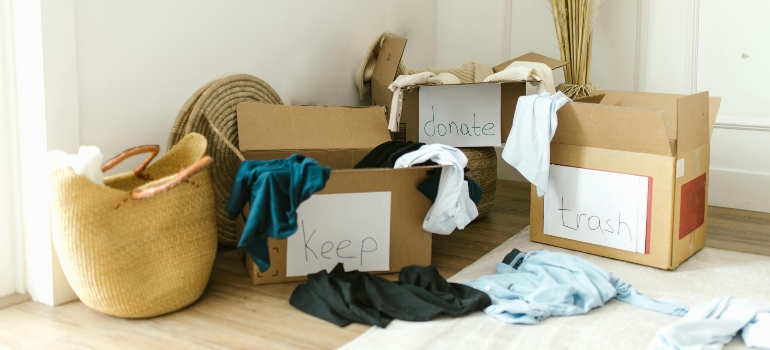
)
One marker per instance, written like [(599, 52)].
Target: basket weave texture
[(137, 258), (482, 168), (216, 103)]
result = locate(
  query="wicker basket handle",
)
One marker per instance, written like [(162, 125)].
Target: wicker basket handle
[(182, 176), (152, 149)]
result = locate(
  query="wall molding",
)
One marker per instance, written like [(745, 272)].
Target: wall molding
[(739, 190), (642, 23), (10, 148), (739, 123), (691, 57), (505, 45)]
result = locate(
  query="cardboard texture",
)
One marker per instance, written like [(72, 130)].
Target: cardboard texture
[(665, 137), (385, 74), (385, 70), (338, 137)]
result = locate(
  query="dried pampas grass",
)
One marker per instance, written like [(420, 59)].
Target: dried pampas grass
[(574, 21)]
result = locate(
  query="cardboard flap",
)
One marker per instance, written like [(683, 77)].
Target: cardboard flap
[(590, 99), (692, 122), (612, 127), (714, 103), (385, 70), (263, 127), (531, 57)]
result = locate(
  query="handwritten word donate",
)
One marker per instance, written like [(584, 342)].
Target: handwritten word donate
[(431, 128)]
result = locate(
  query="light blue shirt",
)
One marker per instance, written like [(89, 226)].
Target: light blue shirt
[(541, 284), (528, 148), (712, 324)]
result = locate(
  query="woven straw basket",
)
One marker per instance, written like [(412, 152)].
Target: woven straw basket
[(482, 168), (144, 244)]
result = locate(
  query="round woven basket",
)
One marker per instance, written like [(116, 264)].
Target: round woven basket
[(482, 168), (217, 102), (143, 244)]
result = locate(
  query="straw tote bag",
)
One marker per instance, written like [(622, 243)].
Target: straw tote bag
[(144, 244)]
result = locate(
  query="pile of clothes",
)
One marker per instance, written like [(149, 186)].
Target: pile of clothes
[(527, 288), (274, 190)]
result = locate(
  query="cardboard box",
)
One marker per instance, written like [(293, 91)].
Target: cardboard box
[(660, 136), (385, 73), (338, 137)]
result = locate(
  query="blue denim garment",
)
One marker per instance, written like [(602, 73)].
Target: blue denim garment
[(714, 323), (536, 285), (274, 189)]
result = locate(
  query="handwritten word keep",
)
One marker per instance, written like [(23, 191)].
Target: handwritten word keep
[(340, 249)]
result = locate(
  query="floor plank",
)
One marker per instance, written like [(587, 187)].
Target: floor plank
[(13, 299), (232, 313)]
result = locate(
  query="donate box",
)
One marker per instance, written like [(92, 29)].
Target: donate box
[(629, 177), (367, 219), (445, 113)]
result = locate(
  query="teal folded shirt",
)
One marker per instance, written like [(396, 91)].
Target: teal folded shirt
[(274, 190)]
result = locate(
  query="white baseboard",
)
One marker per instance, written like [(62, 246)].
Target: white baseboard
[(739, 190), (505, 171)]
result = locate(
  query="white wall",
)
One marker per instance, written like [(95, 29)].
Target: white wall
[(665, 46), (417, 21), (117, 73), (473, 31), (740, 162), (8, 232), (138, 61), (468, 31), (697, 45)]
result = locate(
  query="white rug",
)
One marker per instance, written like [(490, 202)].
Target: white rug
[(708, 274)]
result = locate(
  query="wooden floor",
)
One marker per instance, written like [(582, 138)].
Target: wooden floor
[(232, 313)]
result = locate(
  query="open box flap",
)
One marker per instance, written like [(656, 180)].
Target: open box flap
[(693, 122), (531, 57), (385, 70), (264, 127), (612, 127), (714, 103)]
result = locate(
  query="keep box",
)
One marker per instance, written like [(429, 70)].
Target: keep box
[(338, 137)]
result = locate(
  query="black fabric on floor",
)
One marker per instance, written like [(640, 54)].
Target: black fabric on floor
[(421, 294)]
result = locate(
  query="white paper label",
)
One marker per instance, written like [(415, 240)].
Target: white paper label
[(460, 115), (351, 228), (680, 167), (597, 207)]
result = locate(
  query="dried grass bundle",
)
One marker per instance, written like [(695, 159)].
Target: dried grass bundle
[(574, 21)]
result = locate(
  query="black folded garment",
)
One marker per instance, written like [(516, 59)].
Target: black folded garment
[(421, 294), (386, 154)]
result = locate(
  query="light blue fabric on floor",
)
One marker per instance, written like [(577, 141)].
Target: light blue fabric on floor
[(528, 148), (713, 324), (554, 284)]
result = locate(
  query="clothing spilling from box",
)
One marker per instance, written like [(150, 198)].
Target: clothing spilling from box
[(527, 288), (474, 113), (624, 175), (326, 185)]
